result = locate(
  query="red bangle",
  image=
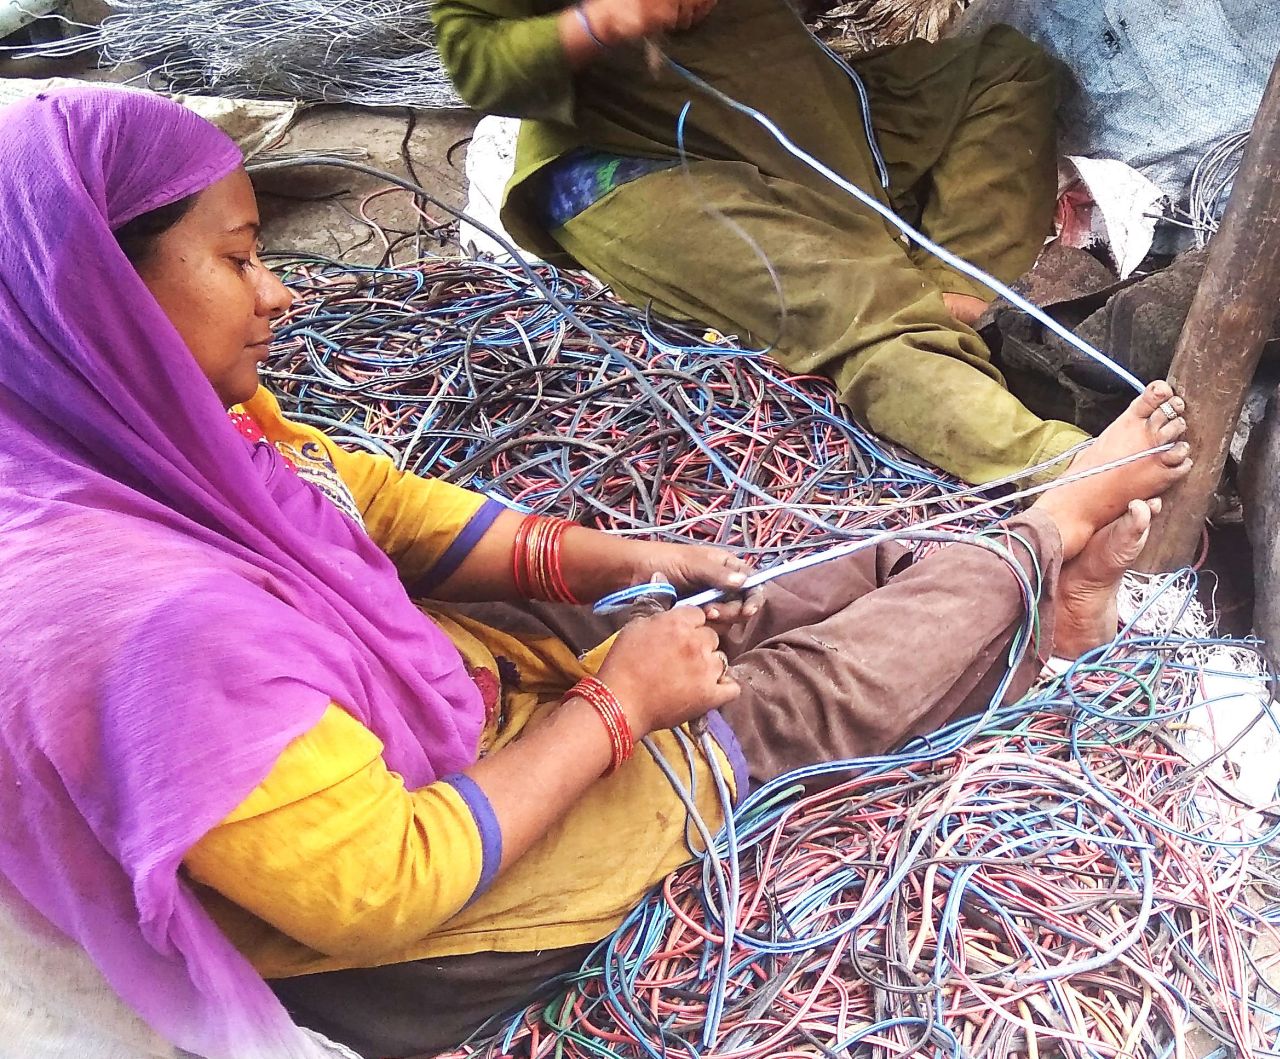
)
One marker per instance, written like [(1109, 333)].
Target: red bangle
[(535, 560), (518, 556), (596, 694), (559, 588)]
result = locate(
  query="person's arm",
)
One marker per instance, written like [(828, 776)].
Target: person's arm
[(449, 543), (333, 851), (595, 563), (505, 58)]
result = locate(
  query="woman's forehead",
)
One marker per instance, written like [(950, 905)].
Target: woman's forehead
[(228, 207)]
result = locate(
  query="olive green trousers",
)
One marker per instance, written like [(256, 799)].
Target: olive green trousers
[(967, 131)]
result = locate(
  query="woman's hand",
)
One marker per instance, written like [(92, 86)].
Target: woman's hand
[(692, 568), (666, 669), (595, 564), (621, 21)]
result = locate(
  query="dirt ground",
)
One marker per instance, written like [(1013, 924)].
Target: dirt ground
[(317, 210)]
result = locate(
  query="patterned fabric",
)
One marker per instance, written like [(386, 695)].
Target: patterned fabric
[(310, 462), (580, 178)]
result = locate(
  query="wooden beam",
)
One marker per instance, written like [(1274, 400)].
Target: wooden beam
[(1230, 321)]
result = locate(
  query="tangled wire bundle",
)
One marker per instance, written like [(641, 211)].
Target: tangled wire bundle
[(1055, 878), (852, 28), (461, 370), (1065, 884), (374, 52)]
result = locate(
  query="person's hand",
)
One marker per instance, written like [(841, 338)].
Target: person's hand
[(666, 669), (965, 308), (621, 21), (694, 567)]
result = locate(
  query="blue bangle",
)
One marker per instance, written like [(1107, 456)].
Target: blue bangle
[(586, 25), (659, 590)]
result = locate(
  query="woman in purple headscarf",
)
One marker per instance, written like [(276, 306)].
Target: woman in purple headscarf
[(233, 748)]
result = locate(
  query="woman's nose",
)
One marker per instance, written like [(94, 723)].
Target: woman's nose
[(274, 298)]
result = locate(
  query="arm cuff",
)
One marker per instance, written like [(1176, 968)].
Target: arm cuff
[(461, 547), (486, 823)]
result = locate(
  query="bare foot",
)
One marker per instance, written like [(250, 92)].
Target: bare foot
[(965, 307), (1087, 586), (1081, 508)]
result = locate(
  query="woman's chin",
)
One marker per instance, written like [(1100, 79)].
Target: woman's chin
[(242, 388)]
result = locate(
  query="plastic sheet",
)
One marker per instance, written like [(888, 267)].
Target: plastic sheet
[(1157, 82)]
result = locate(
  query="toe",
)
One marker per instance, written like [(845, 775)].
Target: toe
[(1149, 400), (1155, 504), (1169, 430), (1128, 535), (1139, 542), (1139, 518), (1177, 455)]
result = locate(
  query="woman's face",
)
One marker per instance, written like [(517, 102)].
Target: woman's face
[(205, 273)]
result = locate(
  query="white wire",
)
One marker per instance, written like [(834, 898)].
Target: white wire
[(918, 237), (791, 566)]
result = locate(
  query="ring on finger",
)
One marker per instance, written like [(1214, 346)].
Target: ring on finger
[(1169, 411)]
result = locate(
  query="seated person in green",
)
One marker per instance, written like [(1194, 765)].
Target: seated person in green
[(275, 710), (963, 147)]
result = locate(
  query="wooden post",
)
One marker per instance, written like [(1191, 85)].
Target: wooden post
[(1231, 318)]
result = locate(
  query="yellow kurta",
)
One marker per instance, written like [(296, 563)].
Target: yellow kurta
[(332, 863)]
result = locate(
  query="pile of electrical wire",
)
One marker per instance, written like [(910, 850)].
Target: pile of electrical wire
[(1061, 882), (857, 27), (1209, 187), (1211, 183), (462, 370), (1058, 877), (372, 52)]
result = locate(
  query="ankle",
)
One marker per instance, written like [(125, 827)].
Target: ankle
[(1073, 530)]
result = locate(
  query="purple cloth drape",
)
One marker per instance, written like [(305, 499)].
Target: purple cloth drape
[(175, 606)]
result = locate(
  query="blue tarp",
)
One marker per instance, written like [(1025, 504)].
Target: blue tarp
[(1157, 82)]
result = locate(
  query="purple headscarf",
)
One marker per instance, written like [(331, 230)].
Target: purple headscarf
[(174, 608)]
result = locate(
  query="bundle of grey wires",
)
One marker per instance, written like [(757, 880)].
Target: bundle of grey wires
[(1209, 188), (1211, 181), (373, 52), (855, 26)]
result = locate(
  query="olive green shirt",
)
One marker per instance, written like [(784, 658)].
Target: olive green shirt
[(505, 57)]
